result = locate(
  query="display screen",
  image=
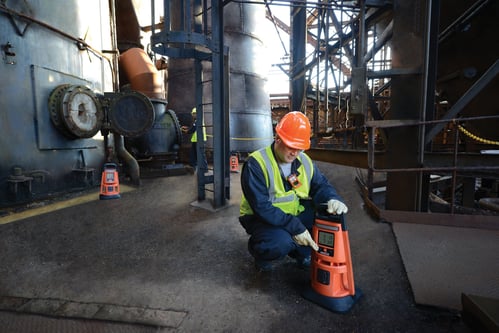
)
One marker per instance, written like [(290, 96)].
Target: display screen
[(326, 238), (109, 177)]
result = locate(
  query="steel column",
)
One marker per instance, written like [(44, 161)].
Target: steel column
[(220, 110), (409, 44), (298, 41)]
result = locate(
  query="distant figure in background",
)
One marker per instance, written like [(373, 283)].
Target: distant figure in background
[(281, 189), (194, 139)]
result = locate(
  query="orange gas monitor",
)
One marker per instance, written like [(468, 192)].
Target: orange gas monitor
[(110, 185), (332, 285)]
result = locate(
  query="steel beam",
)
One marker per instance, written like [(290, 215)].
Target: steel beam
[(298, 56), (479, 164), (477, 87)]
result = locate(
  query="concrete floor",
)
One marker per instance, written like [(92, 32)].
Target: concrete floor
[(151, 262)]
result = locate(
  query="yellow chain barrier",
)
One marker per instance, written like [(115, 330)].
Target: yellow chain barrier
[(477, 138)]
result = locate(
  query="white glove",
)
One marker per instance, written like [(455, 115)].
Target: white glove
[(306, 240), (336, 207)]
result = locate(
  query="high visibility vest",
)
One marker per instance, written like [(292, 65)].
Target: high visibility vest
[(287, 201), (194, 137)]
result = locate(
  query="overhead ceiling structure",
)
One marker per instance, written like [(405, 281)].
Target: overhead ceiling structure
[(404, 90)]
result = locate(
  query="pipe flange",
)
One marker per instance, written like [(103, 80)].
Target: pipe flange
[(81, 112), (75, 111), (178, 131), (131, 113), (55, 105)]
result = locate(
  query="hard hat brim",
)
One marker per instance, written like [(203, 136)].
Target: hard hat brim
[(294, 143)]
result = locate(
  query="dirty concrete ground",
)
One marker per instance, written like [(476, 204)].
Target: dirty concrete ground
[(152, 250)]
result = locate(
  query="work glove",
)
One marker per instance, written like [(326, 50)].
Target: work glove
[(336, 207), (305, 239)]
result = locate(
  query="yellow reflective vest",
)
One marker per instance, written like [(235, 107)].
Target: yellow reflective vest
[(287, 201), (194, 137)]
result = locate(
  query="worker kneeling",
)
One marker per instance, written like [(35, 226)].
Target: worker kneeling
[(281, 189)]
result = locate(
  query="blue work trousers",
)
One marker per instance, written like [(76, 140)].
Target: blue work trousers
[(268, 242)]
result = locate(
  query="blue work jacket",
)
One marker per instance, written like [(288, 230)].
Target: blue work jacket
[(256, 193)]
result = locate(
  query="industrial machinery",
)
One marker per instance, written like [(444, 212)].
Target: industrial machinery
[(64, 111), (403, 90)]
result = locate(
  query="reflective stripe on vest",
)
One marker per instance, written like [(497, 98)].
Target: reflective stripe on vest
[(287, 201)]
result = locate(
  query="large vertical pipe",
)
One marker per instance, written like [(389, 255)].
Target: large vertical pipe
[(250, 122), (250, 119), (181, 74)]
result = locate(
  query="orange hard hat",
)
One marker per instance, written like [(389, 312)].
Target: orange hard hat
[(294, 130)]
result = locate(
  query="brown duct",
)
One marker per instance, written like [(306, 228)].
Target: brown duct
[(142, 73), (127, 25)]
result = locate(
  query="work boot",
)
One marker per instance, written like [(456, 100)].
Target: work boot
[(303, 263), (263, 265), (302, 259)]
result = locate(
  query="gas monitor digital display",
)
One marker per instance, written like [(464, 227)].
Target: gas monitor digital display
[(326, 239), (109, 177)]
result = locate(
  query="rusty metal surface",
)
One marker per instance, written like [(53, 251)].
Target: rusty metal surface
[(468, 47), (443, 262), (353, 158), (487, 165), (451, 220), (487, 220)]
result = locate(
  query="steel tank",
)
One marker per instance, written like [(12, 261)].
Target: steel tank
[(250, 114), (42, 51)]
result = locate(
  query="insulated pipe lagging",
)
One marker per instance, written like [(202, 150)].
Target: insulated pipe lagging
[(142, 73), (130, 161)]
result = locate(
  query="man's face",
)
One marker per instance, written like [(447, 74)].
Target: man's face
[(284, 153)]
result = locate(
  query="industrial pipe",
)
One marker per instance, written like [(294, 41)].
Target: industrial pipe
[(129, 160)]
